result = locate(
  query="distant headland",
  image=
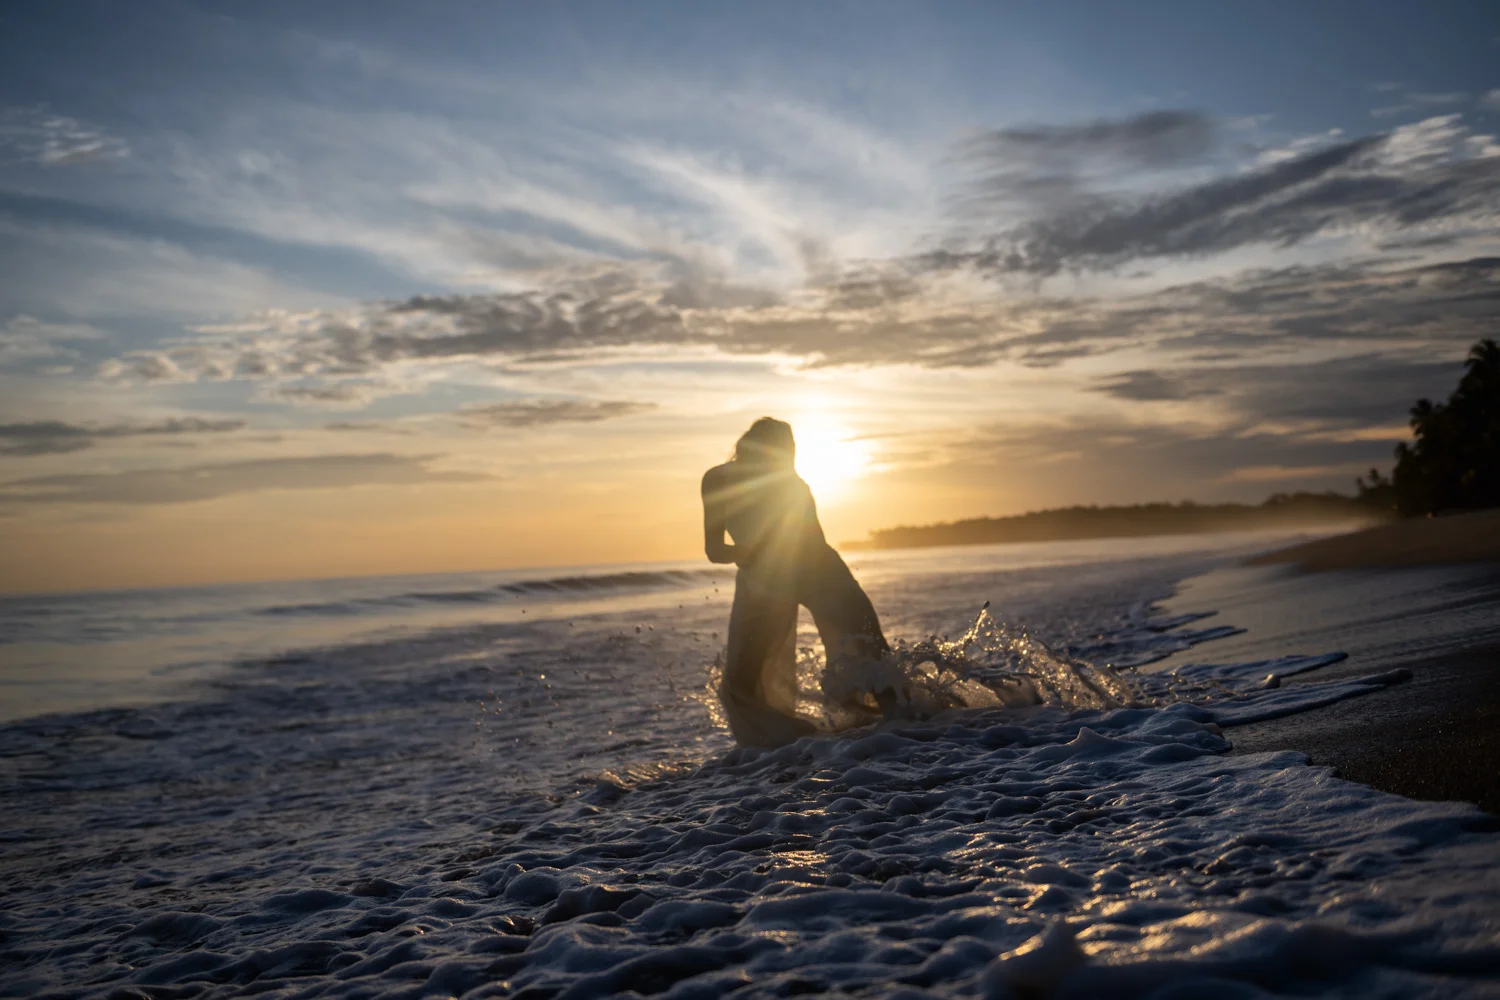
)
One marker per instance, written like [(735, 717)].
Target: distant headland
[(1452, 465), (1281, 510)]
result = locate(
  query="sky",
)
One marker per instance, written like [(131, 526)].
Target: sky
[(317, 290)]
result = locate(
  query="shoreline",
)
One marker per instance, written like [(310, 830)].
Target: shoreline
[(1435, 737), (1455, 539)]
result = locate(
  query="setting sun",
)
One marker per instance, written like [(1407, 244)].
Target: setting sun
[(829, 456)]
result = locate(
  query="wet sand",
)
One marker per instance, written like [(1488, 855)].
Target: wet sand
[(1430, 541), (1436, 736)]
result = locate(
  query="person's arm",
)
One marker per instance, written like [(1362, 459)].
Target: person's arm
[(714, 546)]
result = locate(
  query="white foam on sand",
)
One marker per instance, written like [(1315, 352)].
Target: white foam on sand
[(547, 810)]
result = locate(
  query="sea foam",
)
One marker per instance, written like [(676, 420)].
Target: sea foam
[(547, 809)]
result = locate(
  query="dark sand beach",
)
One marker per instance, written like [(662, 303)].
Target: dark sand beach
[(1431, 541), (1423, 596)]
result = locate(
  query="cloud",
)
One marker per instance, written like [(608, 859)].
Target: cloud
[(541, 412), (1153, 139), (92, 270), (1054, 200), (1149, 386), (1050, 164), (910, 319), (1491, 100), (1444, 305), (1309, 399), (24, 340), (1412, 100), (1429, 172), (1237, 428), (194, 483), (1135, 460), (37, 135), (154, 366), (336, 395), (52, 437), (369, 426), (1437, 99), (1282, 473), (490, 201)]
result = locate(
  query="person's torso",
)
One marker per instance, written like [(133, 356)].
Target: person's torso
[(765, 510)]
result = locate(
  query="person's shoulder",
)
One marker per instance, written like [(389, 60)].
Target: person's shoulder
[(717, 477)]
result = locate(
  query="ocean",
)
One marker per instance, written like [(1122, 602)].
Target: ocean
[(519, 784)]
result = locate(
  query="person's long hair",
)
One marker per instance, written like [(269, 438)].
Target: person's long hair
[(768, 442)]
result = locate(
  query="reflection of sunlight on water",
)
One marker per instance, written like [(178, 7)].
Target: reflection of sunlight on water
[(708, 694), (136, 656), (73, 652)]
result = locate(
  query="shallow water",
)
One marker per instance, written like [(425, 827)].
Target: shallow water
[(488, 802)]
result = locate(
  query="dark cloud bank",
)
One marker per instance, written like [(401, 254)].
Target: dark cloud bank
[(1420, 175), (1368, 390)]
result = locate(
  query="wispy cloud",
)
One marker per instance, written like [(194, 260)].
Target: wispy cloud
[(186, 484), (1416, 100), (1284, 473), (1138, 459), (347, 394), (1150, 386), (25, 340), (541, 412), (62, 268), (51, 437), (36, 135)]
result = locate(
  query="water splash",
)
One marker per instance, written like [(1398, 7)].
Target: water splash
[(992, 665)]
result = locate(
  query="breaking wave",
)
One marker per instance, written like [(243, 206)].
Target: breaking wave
[(548, 587)]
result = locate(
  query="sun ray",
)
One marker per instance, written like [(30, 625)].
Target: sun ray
[(829, 456)]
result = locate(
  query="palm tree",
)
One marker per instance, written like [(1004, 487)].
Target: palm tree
[(1454, 463)]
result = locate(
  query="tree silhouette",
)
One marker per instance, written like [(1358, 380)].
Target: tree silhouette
[(1454, 463), (1377, 492)]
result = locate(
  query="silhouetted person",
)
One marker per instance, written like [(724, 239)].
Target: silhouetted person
[(784, 561)]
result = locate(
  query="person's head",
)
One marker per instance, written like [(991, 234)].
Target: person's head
[(768, 442)]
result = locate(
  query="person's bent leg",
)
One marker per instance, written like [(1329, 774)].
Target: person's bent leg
[(847, 624), (841, 609), (759, 686), (759, 627)]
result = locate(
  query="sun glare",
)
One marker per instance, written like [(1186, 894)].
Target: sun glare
[(828, 455)]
